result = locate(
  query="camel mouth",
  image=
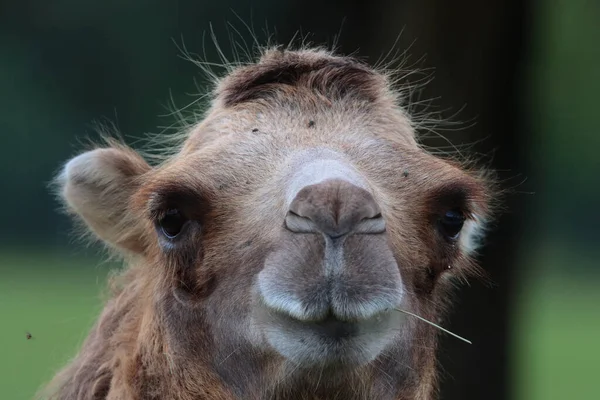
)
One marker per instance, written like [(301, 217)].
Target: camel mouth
[(322, 302), (329, 340), (329, 301), (335, 329), (311, 279)]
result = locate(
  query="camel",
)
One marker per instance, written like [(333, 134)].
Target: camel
[(270, 256)]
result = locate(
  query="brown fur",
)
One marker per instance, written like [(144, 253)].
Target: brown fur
[(175, 325)]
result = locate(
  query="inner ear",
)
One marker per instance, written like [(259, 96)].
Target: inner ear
[(97, 186)]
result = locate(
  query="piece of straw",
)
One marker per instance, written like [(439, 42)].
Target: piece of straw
[(437, 326)]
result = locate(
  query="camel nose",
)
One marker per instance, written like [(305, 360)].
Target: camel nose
[(334, 208)]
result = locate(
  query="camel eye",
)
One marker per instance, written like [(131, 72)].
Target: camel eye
[(172, 223), (451, 223)]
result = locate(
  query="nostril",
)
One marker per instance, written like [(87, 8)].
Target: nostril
[(373, 217), (298, 224), (295, 214), (371, 225)]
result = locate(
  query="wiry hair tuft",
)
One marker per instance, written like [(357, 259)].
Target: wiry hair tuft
[(317, 70)]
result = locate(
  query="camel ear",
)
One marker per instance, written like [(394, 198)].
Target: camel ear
[(97, 186)]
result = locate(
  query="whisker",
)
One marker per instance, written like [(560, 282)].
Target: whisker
[(230, 354), (319, 380)]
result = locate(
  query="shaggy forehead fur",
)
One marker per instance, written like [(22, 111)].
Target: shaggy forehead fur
[(319, 71), (289, 90)]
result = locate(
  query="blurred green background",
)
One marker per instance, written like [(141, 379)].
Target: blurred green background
[(66, 64)]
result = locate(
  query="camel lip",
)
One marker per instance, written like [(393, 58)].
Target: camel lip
[(329, 340), (328, 326), (335, 328), (310, 281), (327, 303)]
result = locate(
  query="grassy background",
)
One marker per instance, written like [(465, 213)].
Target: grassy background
[(556, 352), (56, 304), (557, 328)]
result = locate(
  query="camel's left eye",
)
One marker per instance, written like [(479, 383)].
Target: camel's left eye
[(451, 223), (172, 223)]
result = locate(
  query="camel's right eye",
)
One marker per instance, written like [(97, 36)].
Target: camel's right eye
[(172, 223)]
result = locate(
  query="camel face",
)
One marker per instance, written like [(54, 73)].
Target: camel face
[(274, 249)]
